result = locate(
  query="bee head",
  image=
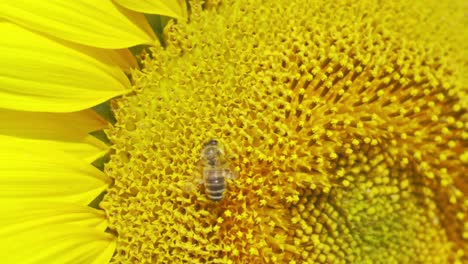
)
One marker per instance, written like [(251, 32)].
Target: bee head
[(211, 142)]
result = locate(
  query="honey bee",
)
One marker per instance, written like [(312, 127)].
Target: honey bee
[(215, 170)]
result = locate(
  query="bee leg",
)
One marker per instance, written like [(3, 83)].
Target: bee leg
[(200, 181)]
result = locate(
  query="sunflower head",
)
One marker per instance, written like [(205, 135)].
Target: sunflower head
[(345, 124)]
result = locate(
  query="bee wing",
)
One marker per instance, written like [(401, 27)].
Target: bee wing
[(194, 180), (231, 174), (190, 187), (228, 166)]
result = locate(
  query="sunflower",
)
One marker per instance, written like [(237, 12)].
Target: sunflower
[(344, 123)]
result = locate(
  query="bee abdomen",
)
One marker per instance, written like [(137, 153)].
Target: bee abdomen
[(215, 188)]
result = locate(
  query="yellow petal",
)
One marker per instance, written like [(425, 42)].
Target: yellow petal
[(32, 171), (41, 74), (21, 216), (172, 8), (89, 150), (93, 23), (52, 126), (55, 233), (68, 132)]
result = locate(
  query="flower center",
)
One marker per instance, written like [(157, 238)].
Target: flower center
[(344, 134)]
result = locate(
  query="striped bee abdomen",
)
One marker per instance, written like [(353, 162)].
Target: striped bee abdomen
[(215, 184)]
